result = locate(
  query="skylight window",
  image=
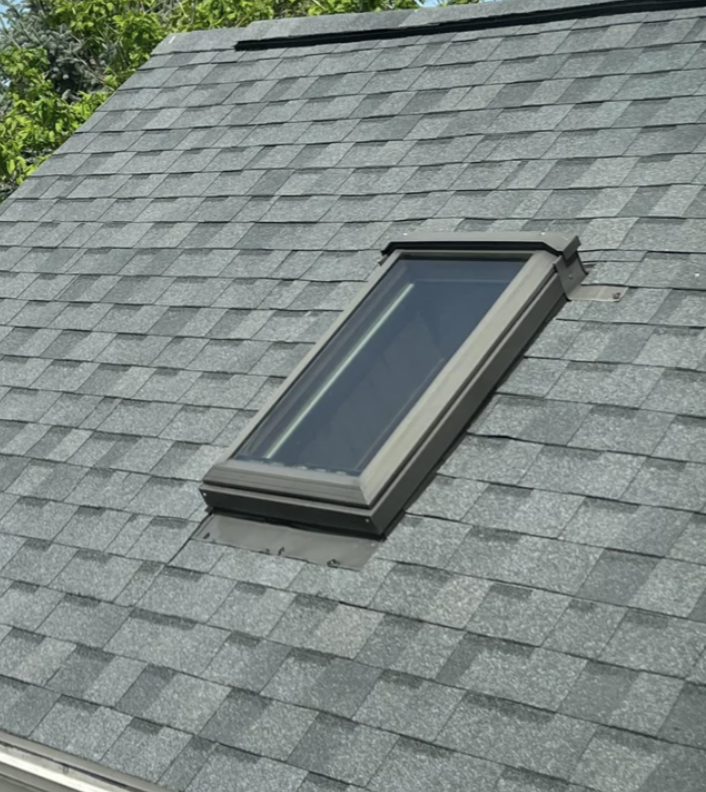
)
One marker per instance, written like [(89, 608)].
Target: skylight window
[(367, 416)]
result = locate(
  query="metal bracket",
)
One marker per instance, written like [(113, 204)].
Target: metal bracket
[(597, 293)]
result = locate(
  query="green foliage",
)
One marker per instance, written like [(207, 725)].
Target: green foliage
[(213, 14), (115, 36), (60, 59), (36, 119)]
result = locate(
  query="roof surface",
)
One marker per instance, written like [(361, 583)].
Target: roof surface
[(537, 622)]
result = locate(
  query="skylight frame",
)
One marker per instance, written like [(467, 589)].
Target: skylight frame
[(368, 504)]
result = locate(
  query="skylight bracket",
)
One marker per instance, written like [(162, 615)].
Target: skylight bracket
[(595, 292)]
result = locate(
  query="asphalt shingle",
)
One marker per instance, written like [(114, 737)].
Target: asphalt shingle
[(535, 622)]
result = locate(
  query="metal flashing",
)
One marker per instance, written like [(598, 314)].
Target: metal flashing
[(317, 547)]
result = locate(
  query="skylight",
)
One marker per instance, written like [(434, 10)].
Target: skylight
[(367, 416)]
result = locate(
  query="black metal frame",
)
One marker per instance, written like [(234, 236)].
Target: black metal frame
[(368, 504)]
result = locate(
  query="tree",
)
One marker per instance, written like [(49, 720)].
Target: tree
[(60, 59)]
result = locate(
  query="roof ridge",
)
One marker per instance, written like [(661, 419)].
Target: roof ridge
[(336, 29)]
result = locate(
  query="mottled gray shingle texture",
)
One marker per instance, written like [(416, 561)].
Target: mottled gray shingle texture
[(537, 621)]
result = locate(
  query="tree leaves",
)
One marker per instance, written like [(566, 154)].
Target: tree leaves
[(60, 59)]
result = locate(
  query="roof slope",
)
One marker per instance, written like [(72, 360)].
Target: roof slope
[(538, 621)]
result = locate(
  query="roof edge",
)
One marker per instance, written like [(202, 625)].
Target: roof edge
[(343, 28)]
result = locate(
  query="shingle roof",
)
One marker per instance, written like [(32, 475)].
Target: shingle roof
[(538, 620)]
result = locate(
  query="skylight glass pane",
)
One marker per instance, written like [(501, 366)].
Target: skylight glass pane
[(346, 404)]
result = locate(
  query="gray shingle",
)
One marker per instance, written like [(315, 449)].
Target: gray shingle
[(93, 574), (391, 638), (407, 705), (277, 572), (249, 608), (598, 692), (23, 706), (84, 621), (340, 749), (617, 577), (94, 675), (518, 614), (37, 562), (258, 725), (558, 566), (684, 724), (523, 511), (414, 766), (647, 704), (161, 539), (187, 764), (315, 681), (37, 518), (639, 529), (611, 753), (168, 641), (447, 498), (656, 643), (246, 662), (604, 383), (424, 541), (511, 671), (228, 770), (145, 749), (184, 703), (30, 657), (178, 592), (535, 420), (298, 675), (26, 606), (679, 392), (600, 474), (432, 595), (690, 544), (673, 587), (347, 586), (671, 484), (490, 459), (81, 729), (532, 738), (620, 429)]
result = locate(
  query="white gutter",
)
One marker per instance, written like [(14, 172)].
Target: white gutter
[(29, 767)]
